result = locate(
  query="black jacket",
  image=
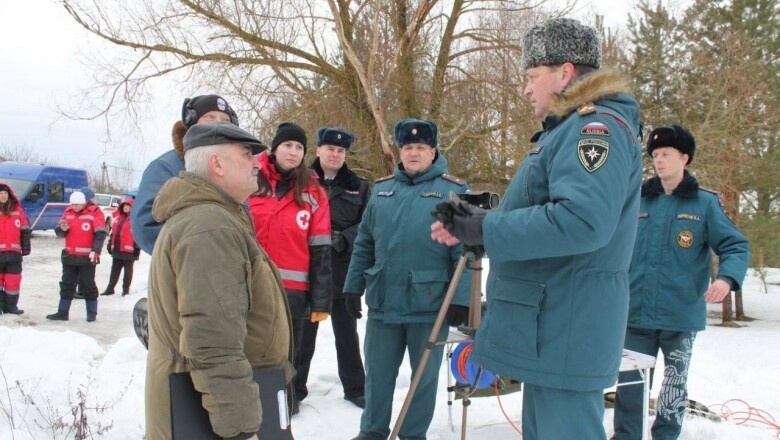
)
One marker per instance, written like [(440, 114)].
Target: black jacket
[(348, 195)]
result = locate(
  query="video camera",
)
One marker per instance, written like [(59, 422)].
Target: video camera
[(482, 199)]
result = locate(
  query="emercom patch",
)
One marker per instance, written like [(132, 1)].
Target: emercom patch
[(592, 153)]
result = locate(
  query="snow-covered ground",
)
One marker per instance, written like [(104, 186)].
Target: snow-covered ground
[(46, 366)]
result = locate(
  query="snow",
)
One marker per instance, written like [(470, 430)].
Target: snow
[(44, 365)]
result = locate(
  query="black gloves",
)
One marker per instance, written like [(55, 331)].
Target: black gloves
[(337, 241), (461, 219), (456, 315), (354, 305)]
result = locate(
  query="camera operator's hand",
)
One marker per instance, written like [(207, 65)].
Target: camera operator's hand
[(456, 315), (462, 220)]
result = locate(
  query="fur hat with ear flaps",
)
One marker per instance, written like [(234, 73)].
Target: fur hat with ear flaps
[(561, 40), (672, 136)]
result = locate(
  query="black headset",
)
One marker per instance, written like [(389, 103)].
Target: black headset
[(190, 117)]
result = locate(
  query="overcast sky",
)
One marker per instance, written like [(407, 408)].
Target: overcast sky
[(40, 68)]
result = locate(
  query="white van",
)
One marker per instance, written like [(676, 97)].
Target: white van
[(108, 204)]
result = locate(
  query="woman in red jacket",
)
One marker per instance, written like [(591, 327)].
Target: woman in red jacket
[(123, 249), (292, 223), (14, 243)]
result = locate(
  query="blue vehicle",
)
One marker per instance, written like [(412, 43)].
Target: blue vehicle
[(43, 190)]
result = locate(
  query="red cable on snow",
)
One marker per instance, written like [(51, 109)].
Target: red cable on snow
[(750, 416), (500, 405)]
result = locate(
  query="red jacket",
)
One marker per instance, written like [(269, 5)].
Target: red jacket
[(85, 227), (122, 240), (14, 227), (297, 238)]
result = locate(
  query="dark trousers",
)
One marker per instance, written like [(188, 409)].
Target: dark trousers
[(84, 276), (673, 396), (298, 325), (350, 364), (116, 267)]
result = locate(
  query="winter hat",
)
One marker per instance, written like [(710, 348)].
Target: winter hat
[(194, 108), (672, 136), (558, 41), (89, 194), (220, 133), (289, 131), (77, 198), (6, 188), (335, 136), (416, 131)]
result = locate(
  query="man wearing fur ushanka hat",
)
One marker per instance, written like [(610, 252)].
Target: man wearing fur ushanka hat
[(203, 108), (560, 241)]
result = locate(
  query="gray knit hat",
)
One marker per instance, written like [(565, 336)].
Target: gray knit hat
[(561, 40)]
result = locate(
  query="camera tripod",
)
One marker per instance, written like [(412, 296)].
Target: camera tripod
[(475, 316)]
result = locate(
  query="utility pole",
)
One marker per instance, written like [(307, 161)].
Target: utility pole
[(106, 180)]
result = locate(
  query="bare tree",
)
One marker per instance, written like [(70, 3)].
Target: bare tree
[(380, 60)]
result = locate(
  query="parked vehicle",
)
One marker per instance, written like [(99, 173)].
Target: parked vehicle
[(108, 204), (43, 190)]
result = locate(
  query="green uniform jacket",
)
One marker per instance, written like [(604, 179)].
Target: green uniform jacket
[(217, 308), (670, 270), (560, 244), (406, 274)]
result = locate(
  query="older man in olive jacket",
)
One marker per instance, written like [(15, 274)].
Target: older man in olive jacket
[(217, 307)]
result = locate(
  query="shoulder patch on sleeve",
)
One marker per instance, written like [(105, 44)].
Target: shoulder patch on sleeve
[(382, 179), (453, 179), (592, 153), (595, 128), (586, 109)]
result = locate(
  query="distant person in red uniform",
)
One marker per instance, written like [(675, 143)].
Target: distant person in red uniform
[(123, 249), (14, 243), (292, 224), (84, 228)]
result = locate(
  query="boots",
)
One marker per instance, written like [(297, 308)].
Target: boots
[(107, 292), (91, 310), (125, 292), (62, 311), (2, 301), (9, 305)]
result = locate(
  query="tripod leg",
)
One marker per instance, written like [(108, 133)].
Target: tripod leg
[(450, 388), (475, 307), (429, 345), (463, 422)]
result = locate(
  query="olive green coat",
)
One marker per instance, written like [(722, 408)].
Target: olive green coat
[(216, 308)]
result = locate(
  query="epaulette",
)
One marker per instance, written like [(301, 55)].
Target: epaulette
[(709, 190), (453, 179), (586, 109), (382, 179)]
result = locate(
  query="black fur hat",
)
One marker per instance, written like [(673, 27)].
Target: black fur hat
[(672, 136), (289, 131), (335, 136), (561, 40), (416, 131)]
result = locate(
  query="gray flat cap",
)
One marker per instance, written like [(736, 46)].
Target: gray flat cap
[(218, 133), (561, 40)]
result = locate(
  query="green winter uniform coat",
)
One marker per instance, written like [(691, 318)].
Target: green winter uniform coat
[(217, 308), (405, 274), (560, 244), (670, 270)]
